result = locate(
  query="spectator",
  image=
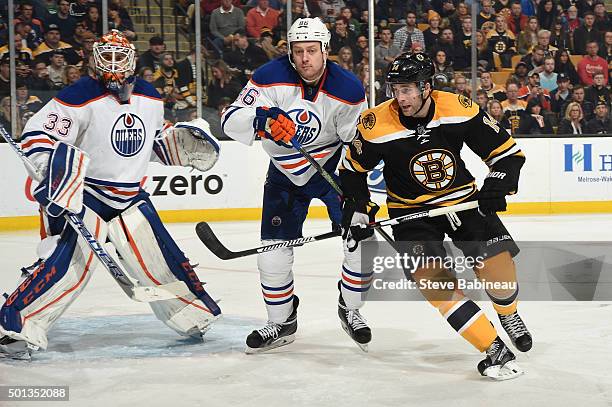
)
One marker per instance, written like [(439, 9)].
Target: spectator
[(405, 36), (560, 96), (115, 21), (544, 42), (23, 53), (461, 87), (22, 69), (385, 52), (600, 124), (513, 107), (535, 60), (572, 20), (492, 90), (5, 116), (602, 20), (222, 85), (342, 37), (446, 8), (330, 9), (151, 58), (517, 21), (282, 47), (5, 76), (71, 75), (56, 69), (585, 34), (520, 74), (606, 51), (298, 10), (486, 13), (533, 90), (573, 122), (533, 122), (597, 92), (463, 43), (261, 16), (352, 23), (528, 37), (432, 33), (24, 101), (345, 58), (547, 13), (26, 16), (502, 41), (33, 40), (482, 99), (224, 22), (92, 20), (39, 83), (53, 43), (78, 9), (166, 83), (63, 19), (591, 64), (494, 108), (446, 43), (559, 37), (85, 51), (245, 57), (444, 70), (578, 96), (266, 43), (548, 77), (529, 7), (146, 73), (456, 20), (362, 45), (563, 64)]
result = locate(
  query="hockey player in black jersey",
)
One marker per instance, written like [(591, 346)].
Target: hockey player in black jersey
[(419, 134)]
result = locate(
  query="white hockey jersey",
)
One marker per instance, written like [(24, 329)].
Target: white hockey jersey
[(117, 137), (324, 117)]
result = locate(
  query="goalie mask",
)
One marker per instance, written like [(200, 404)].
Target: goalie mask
[(114, 63)]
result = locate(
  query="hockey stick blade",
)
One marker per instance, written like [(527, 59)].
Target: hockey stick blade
[(207, 236)]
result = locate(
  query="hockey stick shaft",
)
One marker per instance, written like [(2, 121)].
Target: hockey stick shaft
[(332, 182), (210, 240), (135, 292)]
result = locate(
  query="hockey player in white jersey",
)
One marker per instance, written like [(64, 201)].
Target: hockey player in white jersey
[(93, 143), (301, 97)]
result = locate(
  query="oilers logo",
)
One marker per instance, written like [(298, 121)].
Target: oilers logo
[(128, 135), (307, 125), (434, 169)]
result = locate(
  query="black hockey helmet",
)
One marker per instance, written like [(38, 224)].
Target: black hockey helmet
[(411, 68)]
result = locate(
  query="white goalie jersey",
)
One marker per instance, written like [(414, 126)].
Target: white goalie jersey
[(325, 117), (118, 138)]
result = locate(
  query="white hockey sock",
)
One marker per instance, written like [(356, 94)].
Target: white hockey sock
[(276, 279)]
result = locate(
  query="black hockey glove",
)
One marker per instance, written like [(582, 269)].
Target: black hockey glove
[(354, 214), (492, 195)]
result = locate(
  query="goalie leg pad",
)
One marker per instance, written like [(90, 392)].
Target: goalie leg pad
[(276, 277), (152, 257), (32, 309)]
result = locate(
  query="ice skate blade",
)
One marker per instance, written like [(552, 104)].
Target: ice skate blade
[(506, 372), (285, 340), (362, 346)]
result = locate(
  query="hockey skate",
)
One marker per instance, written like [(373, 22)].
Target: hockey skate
[(517, 331), (273, 335), (500, 362), (354, 324), (15, 349)]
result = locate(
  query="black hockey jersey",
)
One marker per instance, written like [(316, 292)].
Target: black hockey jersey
[(423, 166)]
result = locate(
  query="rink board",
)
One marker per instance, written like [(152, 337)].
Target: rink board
[(561, 175)]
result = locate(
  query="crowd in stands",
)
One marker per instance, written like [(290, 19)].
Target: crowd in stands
[(543, 65)]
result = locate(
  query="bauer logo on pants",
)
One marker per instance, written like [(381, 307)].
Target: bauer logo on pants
[(128, 135)]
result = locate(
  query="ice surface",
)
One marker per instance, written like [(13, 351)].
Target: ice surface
[(113, 352)]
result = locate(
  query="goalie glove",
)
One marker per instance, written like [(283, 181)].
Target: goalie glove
[(274, 123), (62, 188), (188, 144)]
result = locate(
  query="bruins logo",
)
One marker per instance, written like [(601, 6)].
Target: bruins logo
[(434, 169), (465, 101), (369, 121), (500, 47)]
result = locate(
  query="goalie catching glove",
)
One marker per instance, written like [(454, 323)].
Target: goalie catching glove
[(188, 144), (274, 123), (62, 187)]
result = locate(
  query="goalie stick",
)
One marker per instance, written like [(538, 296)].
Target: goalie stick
[(210, 240), (132, 288)]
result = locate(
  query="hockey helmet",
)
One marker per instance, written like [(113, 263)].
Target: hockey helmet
[(410, 68), (114, 60), (309, 29)]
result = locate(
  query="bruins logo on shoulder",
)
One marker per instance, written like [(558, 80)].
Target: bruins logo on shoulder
[(369, 120), (465, 101), (434, 169)]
